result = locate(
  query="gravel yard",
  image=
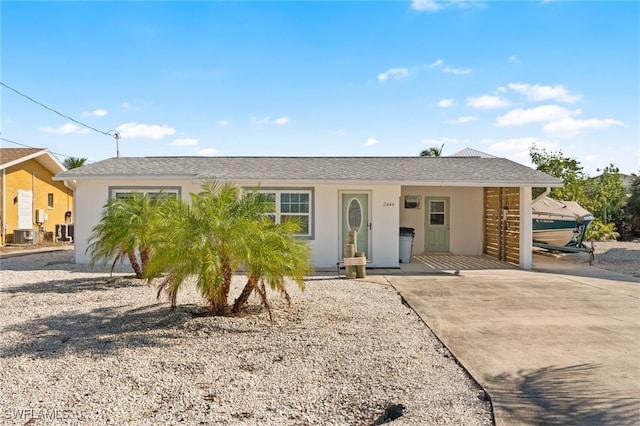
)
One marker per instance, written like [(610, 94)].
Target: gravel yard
[(81, 347), (616, 256)]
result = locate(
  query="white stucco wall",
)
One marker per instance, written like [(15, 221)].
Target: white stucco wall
[(326, 244), (465, 209)]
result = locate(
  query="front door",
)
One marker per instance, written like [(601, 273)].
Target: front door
[(436, 228), (355, 217)]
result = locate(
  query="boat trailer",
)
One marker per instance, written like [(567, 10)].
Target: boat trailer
[(571, 249)]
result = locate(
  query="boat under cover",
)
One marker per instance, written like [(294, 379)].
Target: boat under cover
[(558, 223)]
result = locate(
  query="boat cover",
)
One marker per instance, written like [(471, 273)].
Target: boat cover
[(548, 208)]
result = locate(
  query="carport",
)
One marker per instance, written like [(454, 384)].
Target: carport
[(556, 345)]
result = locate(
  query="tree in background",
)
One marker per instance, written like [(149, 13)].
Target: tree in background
[(632, 209), (73, 162), (434, 151), (567, 169), (603, 195)]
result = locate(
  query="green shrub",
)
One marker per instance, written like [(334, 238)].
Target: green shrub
[(598, 231)]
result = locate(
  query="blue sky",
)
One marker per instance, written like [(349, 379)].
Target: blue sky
[(325, 78)]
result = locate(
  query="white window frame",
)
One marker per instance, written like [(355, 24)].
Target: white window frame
[(114, 190), (278, 214)]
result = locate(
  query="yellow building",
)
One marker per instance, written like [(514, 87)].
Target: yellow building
[(30, 199)]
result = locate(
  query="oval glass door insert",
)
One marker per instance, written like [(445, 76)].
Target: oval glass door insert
[(354, 215)]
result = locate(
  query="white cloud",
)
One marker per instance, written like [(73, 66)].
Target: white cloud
[(371, 142), (395, 73), (539, 114), (146, 131), (66, 129), (487, 102), (457, 71), (207, 151), (517, 149), (399, 73), (445, 103), (266, 121), (538, 93), (516, 145), (436, 5), (95, 113), (223, 123), (426, 5), (184, 142), (260, 122), (339, 132), (463, 119), (569, 127), (513, 58)]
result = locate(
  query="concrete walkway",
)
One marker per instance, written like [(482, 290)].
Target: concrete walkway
[(557, 345)]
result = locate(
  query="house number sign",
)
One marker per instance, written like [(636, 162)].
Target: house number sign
[(388, 204)]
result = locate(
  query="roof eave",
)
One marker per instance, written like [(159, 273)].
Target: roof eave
[(120, 177)]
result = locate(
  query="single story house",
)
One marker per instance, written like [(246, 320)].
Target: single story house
[(30, 199), (471, 204)]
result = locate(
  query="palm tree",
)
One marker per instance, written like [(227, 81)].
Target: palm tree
[(125, 230), (73, 162), (209, 238), (277, 254), (434, 151)]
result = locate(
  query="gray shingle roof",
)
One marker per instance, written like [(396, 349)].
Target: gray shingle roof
[(399, 170), (470, 152)]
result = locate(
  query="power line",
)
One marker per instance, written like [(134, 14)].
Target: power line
[(28, 146), (109, 133)]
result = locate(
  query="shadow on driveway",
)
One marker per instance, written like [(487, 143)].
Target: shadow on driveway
[(564, 396)]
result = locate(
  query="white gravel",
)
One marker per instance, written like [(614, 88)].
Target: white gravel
[(616, 256), (79, 347)]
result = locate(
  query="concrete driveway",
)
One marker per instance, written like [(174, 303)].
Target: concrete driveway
[(557, 345)]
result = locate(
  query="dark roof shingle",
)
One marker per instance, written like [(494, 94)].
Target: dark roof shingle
[(414, 170)]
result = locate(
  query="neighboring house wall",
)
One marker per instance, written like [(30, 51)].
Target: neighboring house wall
[(31, 176)]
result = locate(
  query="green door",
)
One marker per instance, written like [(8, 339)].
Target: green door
[(355, 217), (436, 228)]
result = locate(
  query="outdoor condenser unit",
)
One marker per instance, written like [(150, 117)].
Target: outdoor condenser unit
[(25, 236)]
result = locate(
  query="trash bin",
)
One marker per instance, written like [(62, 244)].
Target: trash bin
[(406, 243)]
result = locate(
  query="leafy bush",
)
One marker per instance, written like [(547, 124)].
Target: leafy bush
[(598, 231)]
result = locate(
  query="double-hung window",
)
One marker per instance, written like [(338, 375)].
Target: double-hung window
[(293, 203)]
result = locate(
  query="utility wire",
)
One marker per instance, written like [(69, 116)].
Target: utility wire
[(28, 146), (109, 133)]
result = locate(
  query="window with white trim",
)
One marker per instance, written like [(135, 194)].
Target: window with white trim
[(293, 203), (126, 192)]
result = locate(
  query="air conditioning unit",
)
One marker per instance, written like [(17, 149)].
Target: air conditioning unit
[(41, 216), (26, 236), (64, 232)]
